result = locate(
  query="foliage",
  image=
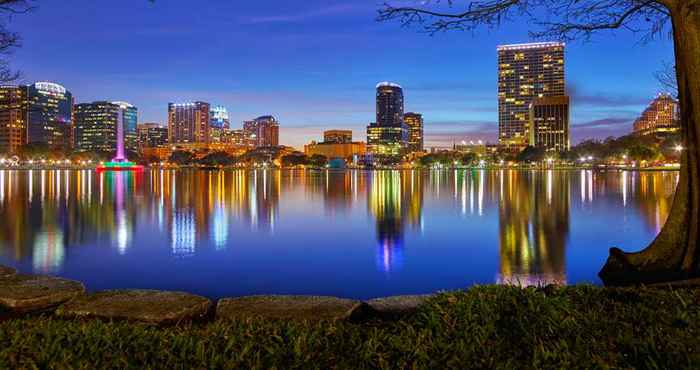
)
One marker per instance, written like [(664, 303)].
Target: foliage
[(40, 151), (181, 157), (294, 159), (218, 159), (483, 327), (531, 154), (648, 147), (318, 160)]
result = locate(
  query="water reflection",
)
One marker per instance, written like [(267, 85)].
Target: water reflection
[(184, 214)]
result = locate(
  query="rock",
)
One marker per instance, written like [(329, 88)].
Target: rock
[(148, 306), (7, 271), (27, 293), (290, 307), (398, 305)]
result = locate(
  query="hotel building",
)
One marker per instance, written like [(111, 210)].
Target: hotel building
[(414, 121), (661, 116), (13, 118), (96, 126), (188, 123), (389, 134), (549, 123), (526, 72)]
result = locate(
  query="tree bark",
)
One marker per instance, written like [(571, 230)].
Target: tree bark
[(675, 253)]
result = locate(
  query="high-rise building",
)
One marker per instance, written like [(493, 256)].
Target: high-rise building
[(188, 123), (41, 113), (337, 136), (129, 115), (549, 123), (13, 125), (219, 124), (526, 72), (389, 134), (661, 116), (96, 126), (49, 115), (263, 131), (152, 135), (414, 121)]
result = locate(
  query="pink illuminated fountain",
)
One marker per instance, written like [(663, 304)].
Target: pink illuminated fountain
[(120, 162)]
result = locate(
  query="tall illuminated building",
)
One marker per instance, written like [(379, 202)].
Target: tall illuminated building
[(414, 121), (129, 116), (49, 115), (13, 124), (661, 116), (188, 123), (219, 124), (263, 131), (388, 135), (549, 123), (152, 135), (96, 126), (526, 72)]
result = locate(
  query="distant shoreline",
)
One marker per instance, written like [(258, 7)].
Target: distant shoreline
[(576, 168)]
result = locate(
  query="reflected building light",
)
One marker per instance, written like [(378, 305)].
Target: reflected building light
[(89, 186), (583, 186), (30, 176), (43, 185), (481, 193), (390, 256), (464, 195), (183, 234), (471, 195), (49, 252), (624, 188), (590, 186), (57, 190), (549, 187), (2, 186), (67, 191), (220, 227), (123, 232)]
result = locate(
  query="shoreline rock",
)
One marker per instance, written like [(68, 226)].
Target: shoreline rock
[(6, 271), (290, 307), (398, 305), (29, 293), (147, 306)]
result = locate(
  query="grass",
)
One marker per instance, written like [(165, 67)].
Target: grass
[(483, 327)]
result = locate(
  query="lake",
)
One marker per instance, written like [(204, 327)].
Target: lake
[(356, 234)]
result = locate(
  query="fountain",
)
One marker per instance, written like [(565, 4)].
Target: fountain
[(120, 163)]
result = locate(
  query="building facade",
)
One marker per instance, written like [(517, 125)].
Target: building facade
[(526, 72), (188, 123), (13, 124), (49, 115), (337, 136), (661, 116), (549, 123), (389, 134), (96, 126), (263, 131), (414, 121), (219, 125), (332, 150), (152, 135), (129, 116)]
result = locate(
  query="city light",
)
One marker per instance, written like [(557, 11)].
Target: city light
[(679, 148)]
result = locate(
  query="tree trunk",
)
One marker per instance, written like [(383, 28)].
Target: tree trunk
[(675, 254)]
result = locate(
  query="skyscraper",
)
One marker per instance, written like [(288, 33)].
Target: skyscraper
[(188, 123), (49, 115), (96, 126), (414, 121), (219, 124), (526, 72), (13, 128), (129, 115), (263, 131), (661, 116), (389, 134), (549, 123)]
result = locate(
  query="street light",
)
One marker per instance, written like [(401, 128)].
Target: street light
[(679, 148)]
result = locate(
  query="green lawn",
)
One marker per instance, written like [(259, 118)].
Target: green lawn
[(484, 327)]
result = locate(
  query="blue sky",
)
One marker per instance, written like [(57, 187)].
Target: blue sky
[(314, 64)]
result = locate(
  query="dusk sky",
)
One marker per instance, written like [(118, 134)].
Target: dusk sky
[(314, 65)]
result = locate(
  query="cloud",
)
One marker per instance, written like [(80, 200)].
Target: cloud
[(302, 16), (613, 122), (579, 98)]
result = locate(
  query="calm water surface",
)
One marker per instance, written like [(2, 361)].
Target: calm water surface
[(357, 234)]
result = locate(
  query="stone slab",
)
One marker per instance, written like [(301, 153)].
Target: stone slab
[(148, 306), (398, 305), (28, 293), (281, 307), (6, 271)]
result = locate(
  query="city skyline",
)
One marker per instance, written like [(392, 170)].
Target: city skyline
[(457, 96)]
